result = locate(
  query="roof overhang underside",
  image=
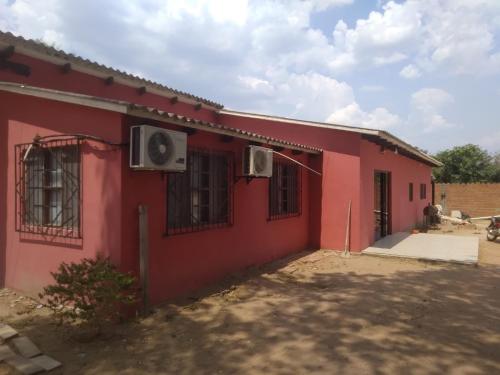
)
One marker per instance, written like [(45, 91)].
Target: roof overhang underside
[(388, 143), (151, 114)]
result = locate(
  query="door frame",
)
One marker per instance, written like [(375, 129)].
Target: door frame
[(388, 217)]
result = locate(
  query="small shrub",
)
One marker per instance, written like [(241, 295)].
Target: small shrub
[(92, 291)]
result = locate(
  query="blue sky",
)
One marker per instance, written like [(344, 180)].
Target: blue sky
[(425, 70)]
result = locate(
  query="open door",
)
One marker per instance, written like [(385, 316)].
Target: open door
[(382, 204)]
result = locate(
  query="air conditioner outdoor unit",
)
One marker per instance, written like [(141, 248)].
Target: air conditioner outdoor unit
[(153, 148), (257, 162)]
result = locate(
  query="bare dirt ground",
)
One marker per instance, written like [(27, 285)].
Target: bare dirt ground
[(314, 312)]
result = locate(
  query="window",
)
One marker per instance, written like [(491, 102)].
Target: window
[(48, 188), (423, 191), (284, 190), (410, 191), (200, 198)]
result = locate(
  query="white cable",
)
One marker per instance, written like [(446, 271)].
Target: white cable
[(297, 162)]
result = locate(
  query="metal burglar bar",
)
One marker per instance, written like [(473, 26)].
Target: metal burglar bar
[(285, 190), (48, 188), (201, 197)]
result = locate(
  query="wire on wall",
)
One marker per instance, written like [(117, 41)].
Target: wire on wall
[(297, 162)]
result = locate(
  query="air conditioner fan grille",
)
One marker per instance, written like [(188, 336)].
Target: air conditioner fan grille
[(160, 148)]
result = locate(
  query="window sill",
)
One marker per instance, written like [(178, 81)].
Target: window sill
[(47, 230), (188, 230), (284, 216)]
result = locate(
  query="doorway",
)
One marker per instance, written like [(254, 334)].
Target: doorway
[(382, 204)]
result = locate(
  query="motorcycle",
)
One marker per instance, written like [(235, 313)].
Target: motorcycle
[(493, 230)]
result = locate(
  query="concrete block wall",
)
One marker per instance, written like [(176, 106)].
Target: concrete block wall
[(479, 199)]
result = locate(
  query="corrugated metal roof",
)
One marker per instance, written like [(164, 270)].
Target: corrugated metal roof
[(138, 110), (23, 45), (142, 111), (381, 137)]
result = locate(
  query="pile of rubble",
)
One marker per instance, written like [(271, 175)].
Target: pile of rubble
[(456, 217)]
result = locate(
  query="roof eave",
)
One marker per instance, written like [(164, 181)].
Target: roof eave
[(149, 113), (367, 133), (402, 144), (49, 54), (153, 114)]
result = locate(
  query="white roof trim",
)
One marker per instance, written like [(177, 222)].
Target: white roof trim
[(66, 97), (299, 122)]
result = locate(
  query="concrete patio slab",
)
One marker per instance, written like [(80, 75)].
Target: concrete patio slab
[(425, 246)]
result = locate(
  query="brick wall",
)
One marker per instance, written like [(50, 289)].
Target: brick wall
[(473, 199)]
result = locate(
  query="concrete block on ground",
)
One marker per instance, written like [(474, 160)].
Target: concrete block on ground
[(6, 331), (26, 347), (46, 362), (6, 352), (24, 365)]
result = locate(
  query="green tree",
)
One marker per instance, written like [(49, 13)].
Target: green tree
[(496, 161), (465, 164)]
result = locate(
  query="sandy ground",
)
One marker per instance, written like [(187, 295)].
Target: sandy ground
[(314, 312)]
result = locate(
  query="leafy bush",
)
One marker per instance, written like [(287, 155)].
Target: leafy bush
[(92, 291)]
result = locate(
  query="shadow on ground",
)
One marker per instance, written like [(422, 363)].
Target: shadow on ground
[(316, 313)]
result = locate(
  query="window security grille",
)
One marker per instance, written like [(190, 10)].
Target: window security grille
[(285, 188), (48, 188), (201, 197)]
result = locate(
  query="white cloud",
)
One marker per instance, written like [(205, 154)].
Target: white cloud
[(353, 115), (410, 72), (320, 5), (455, 36), (372, 88), (389, 59), (315, 96), (380, 39), (267, 56), (427, 106), (491, 142), (308, 96), (263, 55)]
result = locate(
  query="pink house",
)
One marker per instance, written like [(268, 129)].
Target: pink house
[(67, 190)]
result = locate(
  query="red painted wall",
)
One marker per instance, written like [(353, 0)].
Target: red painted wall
[(29, 258), (405, 214), (3, 191), (340, 168), (112, 192), (348, 165), (184, 262), (47, 75)]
